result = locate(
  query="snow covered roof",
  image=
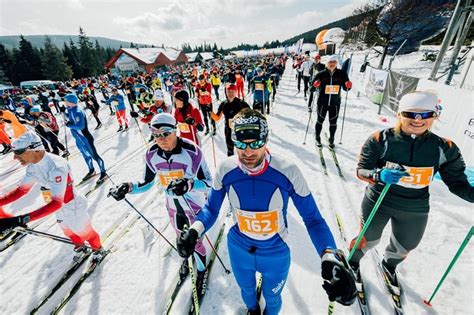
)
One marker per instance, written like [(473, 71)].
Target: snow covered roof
[(149, 56), (192, 56), (207, 55)]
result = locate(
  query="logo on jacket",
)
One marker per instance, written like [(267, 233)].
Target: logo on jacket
[(58, 179), (278, 287)]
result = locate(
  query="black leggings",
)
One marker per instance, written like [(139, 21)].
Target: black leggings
[(206, 113), (333, 115), (408, 228)]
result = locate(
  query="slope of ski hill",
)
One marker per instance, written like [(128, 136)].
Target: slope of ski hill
[(137, 276)]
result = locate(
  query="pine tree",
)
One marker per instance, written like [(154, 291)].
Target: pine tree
[(6, 62), (3, 77), (54, 64), (71, 54), (87, 57), (26, 63)]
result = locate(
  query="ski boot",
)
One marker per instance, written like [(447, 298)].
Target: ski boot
[(256, 311), (120, 128), (390, 274), (65, 154), (318, 142), (126, 128), (79, 252), (98, 126), (88, 175), (201, 281), (206, 132), (331, 143), (98, 255), (184, 270), (102, 177)]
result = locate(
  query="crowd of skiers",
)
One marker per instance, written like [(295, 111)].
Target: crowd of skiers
[(194, 197)]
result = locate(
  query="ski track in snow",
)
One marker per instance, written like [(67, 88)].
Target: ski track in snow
[(136, 278)]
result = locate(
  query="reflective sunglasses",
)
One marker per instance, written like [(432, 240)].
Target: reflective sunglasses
[(418, 115), (23, 150), (164, 132), (254, 145)]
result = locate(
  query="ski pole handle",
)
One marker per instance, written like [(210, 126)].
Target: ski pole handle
[(369, 219), (451, 264)]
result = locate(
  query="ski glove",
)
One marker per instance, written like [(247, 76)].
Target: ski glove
[(348, 85), (134, 114), (120, 191), (316, 83), (190, 121), (10, 223), (339, 282), (180, 186), (389, 176), (186, 242)]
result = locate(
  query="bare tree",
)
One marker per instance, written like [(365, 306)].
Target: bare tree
[(411, 20)]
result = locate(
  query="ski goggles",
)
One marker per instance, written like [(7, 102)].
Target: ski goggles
[(163, 133), (23, 150), (419, 115), (254, 145)]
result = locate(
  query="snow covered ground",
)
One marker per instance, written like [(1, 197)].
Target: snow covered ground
[(137, 276)]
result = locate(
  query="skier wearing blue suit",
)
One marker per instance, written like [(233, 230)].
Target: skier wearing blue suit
[(77, 122), (258, 185)]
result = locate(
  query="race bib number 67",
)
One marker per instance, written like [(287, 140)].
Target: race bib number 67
[(167, 176)]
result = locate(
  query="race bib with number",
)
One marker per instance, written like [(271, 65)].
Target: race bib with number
[(167, 176), (420, 177), (183, 127), (260, 225), (259, 86), (332, 89), (47, 196)]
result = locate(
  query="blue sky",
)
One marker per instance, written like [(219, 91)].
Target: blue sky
[(227, 22)]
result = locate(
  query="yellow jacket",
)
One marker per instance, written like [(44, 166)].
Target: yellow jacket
[(215, 80)]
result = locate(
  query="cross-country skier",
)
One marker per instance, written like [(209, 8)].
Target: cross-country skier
[(179, 166), (230, 108), (188, 117), (117, 100), (329, 82), (406, 156), (258, 185), (53, 173), (203, 94), (77, 122)]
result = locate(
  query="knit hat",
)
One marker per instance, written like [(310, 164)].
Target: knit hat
[(333, 58), (424, 100), (182, 95), (250, 128), (71, 98), (162, 120), (29, 140), (158, 95), (232, 87), (35, 109)]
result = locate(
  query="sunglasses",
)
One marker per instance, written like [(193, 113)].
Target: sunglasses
[(418, 115), (23, 150), (163, 133), (254, 145)]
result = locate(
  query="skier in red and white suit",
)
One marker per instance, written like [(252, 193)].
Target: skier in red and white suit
[(53, 173)]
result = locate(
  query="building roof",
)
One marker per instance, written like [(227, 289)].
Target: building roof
[(207, 55), (192, 56), (148, 56)]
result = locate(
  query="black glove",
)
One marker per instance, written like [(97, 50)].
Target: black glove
[(203, 90), (102, 101), (190, 121), (134, 114), (119, 192), (10, 223), (186, 242), (180, 186), (67, 123), (340, 283), (62, 109)]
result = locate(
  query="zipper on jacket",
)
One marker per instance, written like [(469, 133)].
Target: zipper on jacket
[(412, 147)]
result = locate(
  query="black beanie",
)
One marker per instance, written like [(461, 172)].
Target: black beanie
[(182, 95)]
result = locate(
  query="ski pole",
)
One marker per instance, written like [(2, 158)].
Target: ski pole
[(65, 135), (343, 117), (144, 218), (451, 264), (309, 120), (369, 219), (213, 151), (53, 237), (227, 271)]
